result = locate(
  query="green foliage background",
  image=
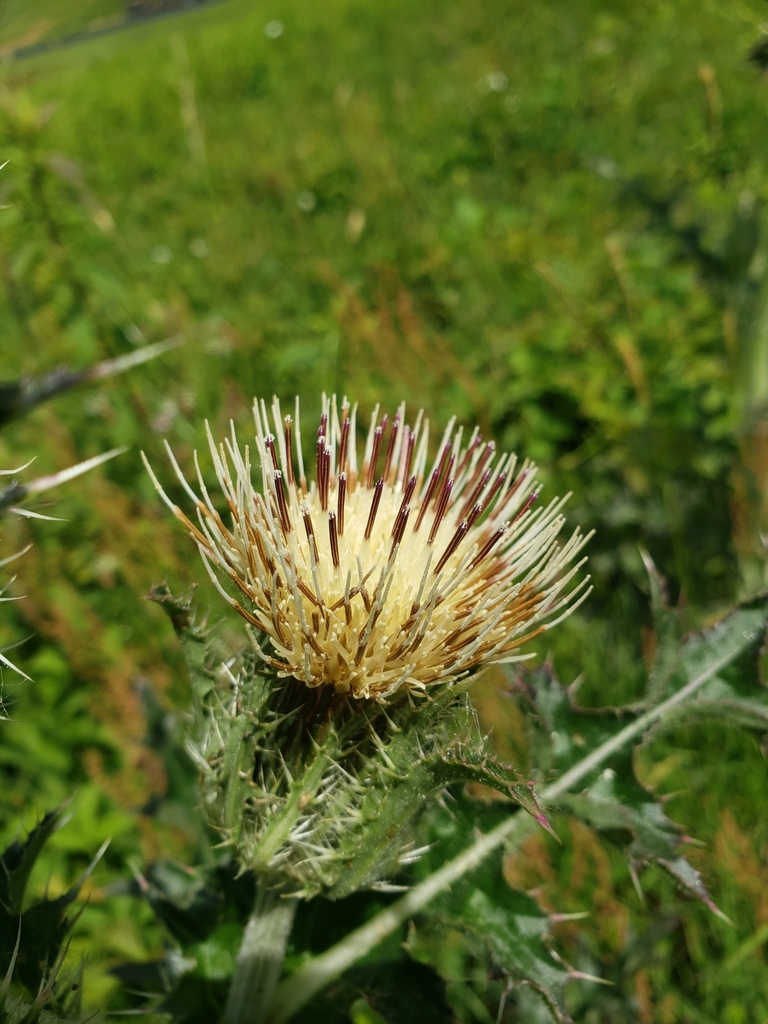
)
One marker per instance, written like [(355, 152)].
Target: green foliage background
[(548, 218)]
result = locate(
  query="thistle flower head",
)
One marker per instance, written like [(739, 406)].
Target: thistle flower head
[(386, 574)]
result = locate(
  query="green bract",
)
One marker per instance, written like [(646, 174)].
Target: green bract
[(320, 803)]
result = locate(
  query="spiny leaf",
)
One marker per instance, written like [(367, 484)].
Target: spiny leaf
[(606, 807), (44, 927), (560, 732), (736, 694), (17, 492), (666, 625), (734, 643), (688, 876), (182, 901), (21, 396), (31, 943), (613, 800), (19, 858), (483, 921), (473, 765), (721, 703), (616, 803), (195, 642)]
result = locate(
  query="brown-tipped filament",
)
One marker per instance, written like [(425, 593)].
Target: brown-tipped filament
[(407, 495), (288, 423), (490, 543), (476, 492), (269, 444), (398, 531), (378, 434), (375, 501), (526, 505), (427, 497), (282, 504), (333, 538), (323, 471), (453, 543), (475, 441), (442, 506), (341, 501), (310, 530)]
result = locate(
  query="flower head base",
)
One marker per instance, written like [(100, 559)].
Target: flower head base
[(390, 575)]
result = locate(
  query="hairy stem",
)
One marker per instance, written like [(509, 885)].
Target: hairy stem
[(260, 958), (318, 972)]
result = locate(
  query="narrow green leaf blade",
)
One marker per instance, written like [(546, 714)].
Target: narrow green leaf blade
[(18, 859)]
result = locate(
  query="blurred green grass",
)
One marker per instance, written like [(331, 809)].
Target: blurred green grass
[(546, 218), (23, 24)]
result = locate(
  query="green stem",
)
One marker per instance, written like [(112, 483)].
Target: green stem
[(321, 970), (260, 958)]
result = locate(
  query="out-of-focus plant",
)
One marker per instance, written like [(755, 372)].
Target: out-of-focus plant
[(21, 396), (54, 295), (16, 492), (718, 220), (34, 939)]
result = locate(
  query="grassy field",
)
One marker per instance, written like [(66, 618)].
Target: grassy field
[(546, 218), (45, 21)]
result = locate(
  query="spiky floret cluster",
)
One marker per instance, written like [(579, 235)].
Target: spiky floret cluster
[(388, 574)]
